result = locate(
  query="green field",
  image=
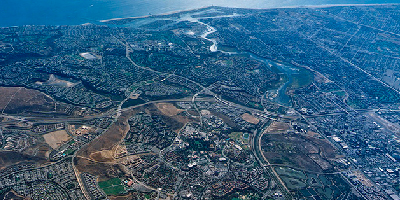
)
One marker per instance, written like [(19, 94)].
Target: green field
[(305, 184), (236, 135), (291, 173), (112, 187), (241, 138)]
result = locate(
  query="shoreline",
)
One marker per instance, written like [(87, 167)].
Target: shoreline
[(341, 5), (156, 15), (205, 7)]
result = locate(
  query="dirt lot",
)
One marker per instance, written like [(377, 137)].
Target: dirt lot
[(278, 127), (100, 154), (104, 171), (364, 180), (168, 109), (53, 80), (57, 138), (250, 118), (41, 150), (108, 140), (312, 134), (19, 100), (175, 122), (7, 94), (103, 156)]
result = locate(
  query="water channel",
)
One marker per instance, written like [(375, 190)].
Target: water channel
[(292, 77)]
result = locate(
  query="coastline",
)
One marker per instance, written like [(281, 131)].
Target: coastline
[(208, 7), (341, 5), (158, 15)]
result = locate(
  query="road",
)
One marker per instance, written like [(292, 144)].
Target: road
[(255, 144), (117, 113)]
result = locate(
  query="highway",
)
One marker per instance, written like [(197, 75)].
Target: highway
[(255, 144)]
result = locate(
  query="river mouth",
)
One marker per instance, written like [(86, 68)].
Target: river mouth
[(292, 77)]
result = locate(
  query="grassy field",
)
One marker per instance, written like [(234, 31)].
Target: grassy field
[(305, 184), (242, 139), (112, 187)]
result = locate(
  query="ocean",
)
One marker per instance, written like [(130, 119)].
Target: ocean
[(74, 12)]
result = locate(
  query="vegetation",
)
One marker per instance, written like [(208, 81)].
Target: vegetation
[(112, 187)]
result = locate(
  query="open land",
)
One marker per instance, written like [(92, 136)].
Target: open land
[(212, 103), (249, 118), (16, 99), (56, 138), (168, 109)]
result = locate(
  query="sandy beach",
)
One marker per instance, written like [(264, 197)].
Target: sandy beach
[(206, 7)]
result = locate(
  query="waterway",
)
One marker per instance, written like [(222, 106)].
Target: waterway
[(279, 95), (292, 77)]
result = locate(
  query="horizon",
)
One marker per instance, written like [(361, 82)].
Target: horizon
[(46, 12), (285, 7)]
